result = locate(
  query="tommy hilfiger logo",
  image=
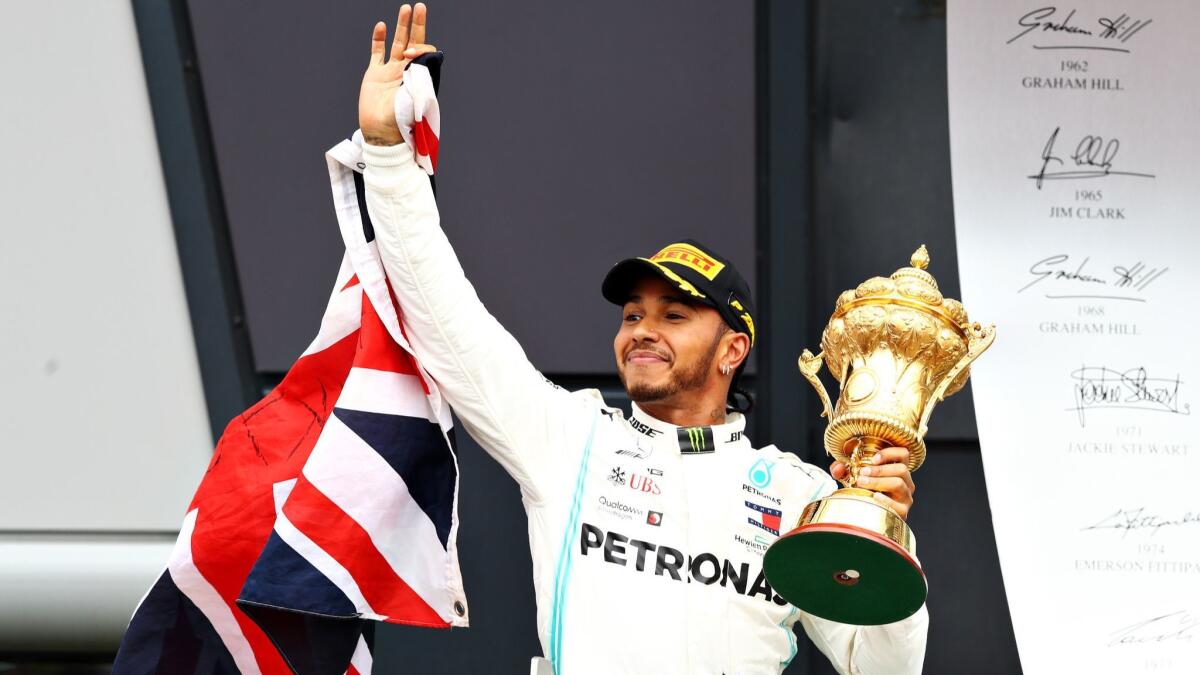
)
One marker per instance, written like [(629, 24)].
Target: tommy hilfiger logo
[(693, 440), (768, 518)]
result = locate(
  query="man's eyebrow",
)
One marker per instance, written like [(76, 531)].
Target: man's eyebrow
[(667, 299)]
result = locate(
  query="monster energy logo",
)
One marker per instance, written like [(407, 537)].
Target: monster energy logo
[(695, 440)]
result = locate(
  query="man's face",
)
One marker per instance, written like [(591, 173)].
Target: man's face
[(667, 345)]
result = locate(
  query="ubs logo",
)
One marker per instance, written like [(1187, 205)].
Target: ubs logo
[(643, 484)]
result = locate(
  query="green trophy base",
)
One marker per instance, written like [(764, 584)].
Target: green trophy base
[(849, 560)]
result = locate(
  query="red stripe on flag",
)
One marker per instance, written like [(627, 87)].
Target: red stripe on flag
[(353, 282), (352, 670), (340, 536), (376, 348), (426, 141), (269, 442)]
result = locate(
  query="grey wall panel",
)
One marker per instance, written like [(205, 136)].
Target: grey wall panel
[(103, 424), (881, 157), (881, 186), (572, 138)]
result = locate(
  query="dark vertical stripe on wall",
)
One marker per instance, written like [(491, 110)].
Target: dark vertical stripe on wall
[(786, 407), (197, 209), (786, 411)]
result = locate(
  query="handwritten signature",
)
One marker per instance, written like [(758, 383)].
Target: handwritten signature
[(1129, 520), (1097, 387), (1176, 626), (1093, 158), (1108, 31), (1131, 279)]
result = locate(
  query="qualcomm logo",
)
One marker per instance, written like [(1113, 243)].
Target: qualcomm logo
[(760, 473)]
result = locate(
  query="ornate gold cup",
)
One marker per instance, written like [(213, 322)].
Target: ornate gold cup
[(897, 348)]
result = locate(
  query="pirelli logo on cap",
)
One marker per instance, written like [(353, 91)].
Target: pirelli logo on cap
[(689, 256)]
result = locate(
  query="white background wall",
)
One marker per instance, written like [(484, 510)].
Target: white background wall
[(103, 426)]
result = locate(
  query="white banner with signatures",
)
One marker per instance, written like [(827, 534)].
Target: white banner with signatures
[(1075, 150)]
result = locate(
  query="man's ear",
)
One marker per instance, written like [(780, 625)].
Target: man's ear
[(736, 349)]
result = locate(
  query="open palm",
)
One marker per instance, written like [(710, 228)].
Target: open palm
[(376, 108)]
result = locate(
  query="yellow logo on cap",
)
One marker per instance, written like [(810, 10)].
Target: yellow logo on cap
[(745, 316), (682, 283), (689, 256)]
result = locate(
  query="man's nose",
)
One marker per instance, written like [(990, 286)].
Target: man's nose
[(645, 330)]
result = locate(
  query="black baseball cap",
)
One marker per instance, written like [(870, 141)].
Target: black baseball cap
[(696, 270)]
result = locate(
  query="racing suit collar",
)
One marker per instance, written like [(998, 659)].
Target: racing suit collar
[(691, 440)]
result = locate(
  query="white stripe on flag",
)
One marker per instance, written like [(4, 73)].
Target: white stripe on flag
[(363, 485), (343, 313), (316, 556), (362, 660), (363, 256), (206, 598), (380, 391)]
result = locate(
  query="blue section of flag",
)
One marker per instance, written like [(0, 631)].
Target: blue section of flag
[(284, 577), (310, 644), (169, 635), (414, 448)]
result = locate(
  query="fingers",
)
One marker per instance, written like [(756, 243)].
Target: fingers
[(888, 471), (900, 508), (419, 18), (378, 36), (837, 470), (890, 456), (888, 484), (417, 50), (401, 40), (889, 477)]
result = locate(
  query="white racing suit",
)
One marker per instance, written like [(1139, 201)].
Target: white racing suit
[(647, 539)]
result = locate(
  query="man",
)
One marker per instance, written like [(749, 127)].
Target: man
[(647, 533)]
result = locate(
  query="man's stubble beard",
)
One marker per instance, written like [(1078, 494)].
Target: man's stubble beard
[(688, 379)]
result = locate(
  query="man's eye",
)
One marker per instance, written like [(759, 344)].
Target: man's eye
[(632, 317), (675, 317)]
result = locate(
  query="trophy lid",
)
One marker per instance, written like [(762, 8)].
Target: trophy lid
[(912, 286)]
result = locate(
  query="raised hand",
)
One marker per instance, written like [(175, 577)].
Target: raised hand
[(385, 72)]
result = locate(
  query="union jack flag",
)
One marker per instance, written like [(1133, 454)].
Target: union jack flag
[(330, 502)]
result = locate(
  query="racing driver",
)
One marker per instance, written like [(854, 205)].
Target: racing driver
[(671, 505)]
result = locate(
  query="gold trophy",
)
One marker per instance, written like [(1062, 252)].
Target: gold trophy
[(897, 348)]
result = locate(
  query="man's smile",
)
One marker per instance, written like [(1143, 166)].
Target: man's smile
[(645, 357)]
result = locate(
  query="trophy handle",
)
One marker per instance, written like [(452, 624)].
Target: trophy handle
[(809, 367), (978, 341)]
